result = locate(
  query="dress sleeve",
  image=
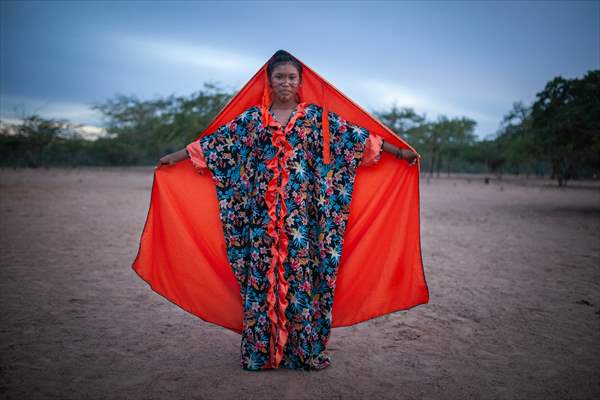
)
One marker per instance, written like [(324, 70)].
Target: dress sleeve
[(352, 144), (221, 152), (373, 148), (197, 156)]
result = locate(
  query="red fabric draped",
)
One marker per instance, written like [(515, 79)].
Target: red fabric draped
[(182, 253)]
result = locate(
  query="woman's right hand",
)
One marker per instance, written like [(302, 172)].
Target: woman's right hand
[(168, 159), (172, 158)]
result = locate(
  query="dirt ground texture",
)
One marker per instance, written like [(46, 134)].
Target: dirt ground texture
[(513, 270)]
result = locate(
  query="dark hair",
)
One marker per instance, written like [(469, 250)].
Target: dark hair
[(282, 57)]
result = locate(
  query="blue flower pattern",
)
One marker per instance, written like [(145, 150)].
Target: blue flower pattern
[(317, 197)]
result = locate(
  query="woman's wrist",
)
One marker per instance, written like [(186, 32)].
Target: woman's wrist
[(181, 154)]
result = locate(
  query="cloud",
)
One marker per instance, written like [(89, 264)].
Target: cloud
[(91, 132), (380, 95), (18, 107), (14, 109), (183, 54), (384, 94)]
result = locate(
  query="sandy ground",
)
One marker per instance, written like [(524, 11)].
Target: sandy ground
[(513, 270)]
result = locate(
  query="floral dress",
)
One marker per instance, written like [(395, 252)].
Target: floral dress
[(284, 213)]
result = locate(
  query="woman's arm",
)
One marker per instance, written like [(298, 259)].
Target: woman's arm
[(174, 157), (404, 154)]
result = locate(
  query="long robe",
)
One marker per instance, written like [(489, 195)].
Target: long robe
[(285, 223)]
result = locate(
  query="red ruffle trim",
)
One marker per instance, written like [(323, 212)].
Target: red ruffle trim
[(197, 156), (276, 229), (372, 150)]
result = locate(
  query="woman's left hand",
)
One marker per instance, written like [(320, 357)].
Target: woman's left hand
[(409, 155)]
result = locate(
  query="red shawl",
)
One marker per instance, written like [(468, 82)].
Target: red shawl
[(182, 253)]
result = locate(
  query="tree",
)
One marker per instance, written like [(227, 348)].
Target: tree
[(566, 125), (145, 130), (515, 138), (446, 139)]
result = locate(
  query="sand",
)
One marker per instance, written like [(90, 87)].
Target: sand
[(513, 270)]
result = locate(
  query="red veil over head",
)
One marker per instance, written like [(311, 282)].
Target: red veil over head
[(182, 252)]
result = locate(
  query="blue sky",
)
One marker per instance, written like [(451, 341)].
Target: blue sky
[(470, 59)]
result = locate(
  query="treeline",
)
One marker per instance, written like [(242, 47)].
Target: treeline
[(140, 132), (557, 136)]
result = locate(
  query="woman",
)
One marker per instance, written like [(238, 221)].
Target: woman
[(284, 198), (285, 75)]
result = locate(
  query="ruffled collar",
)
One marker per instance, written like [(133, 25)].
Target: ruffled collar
[(270, 120)]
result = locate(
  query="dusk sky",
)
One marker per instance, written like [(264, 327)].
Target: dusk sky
[(471, 59)]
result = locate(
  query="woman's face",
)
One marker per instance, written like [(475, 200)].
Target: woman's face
[(285, 80)]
